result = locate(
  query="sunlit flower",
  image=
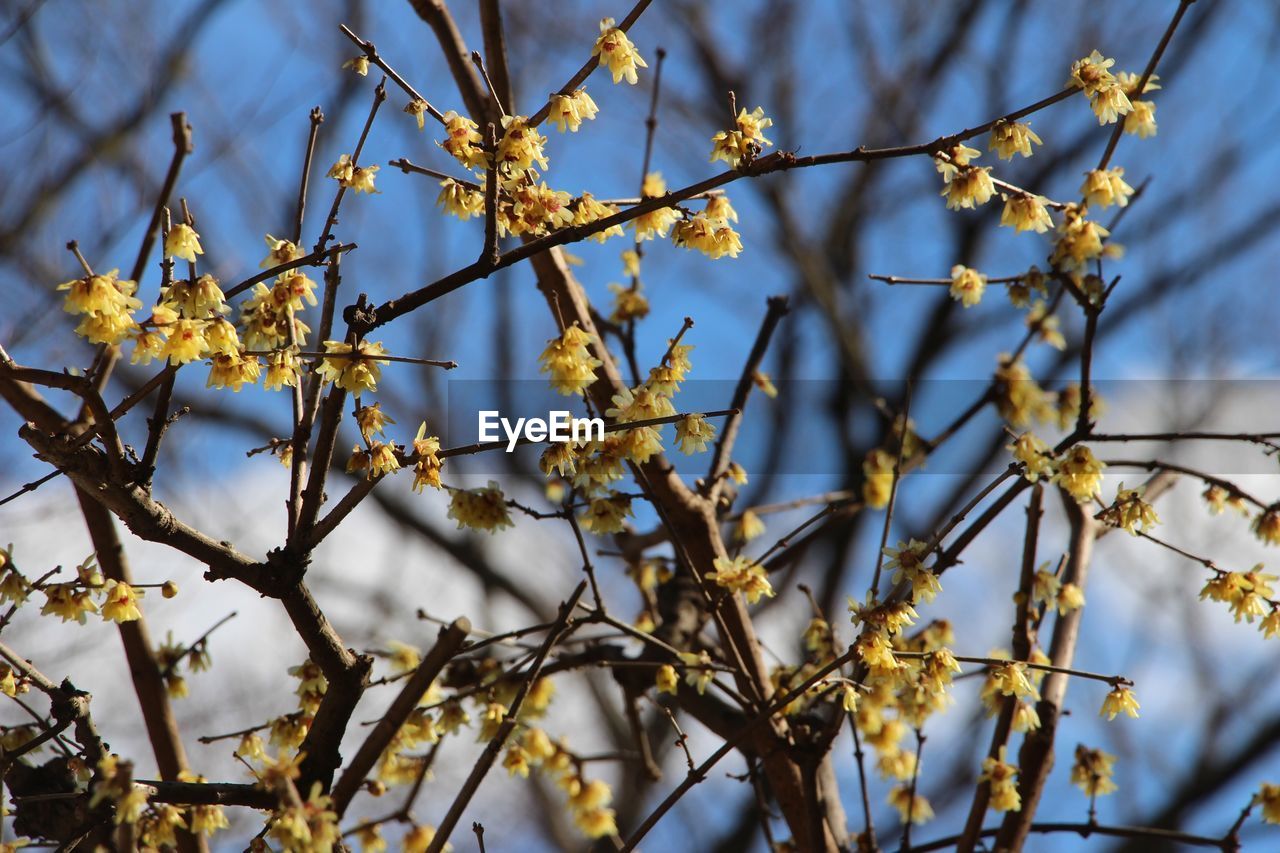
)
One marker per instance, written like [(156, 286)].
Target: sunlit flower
[(745, 141), (358, 64), (520, 146), (910, 806), (967, 285), (1026, 212), (568, 112), (742, 575), (353, 368), (1080, 473), (1119, 701), (1105, 187), (1009, 138), (1002, 779), (480, 509), (233, 370), (121, 602), (1142, 120), (1092, 771), (617, 52), (970, 188), (183, 242)]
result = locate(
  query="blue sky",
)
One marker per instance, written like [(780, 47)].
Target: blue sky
[(259, 67)]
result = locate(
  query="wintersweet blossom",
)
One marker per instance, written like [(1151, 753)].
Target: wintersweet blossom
[(354, 369), (967, 285), (1011, 137), (182, 242), (568, 112), (617, 53)]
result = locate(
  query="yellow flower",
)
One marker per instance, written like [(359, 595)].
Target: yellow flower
[(372, 421), (418, 839), (876, 651), (186, 342), (568, 112), (282, 370), (762, 381), (970, 187), (68, 601), (354, 369), (666, 679), (1002, 778), (617, 52), (877, 472), (569, 361), (100, 295), (907, 564), (1034, 455), (291, 289), (745, 141), (1093, 770), (693, 433), (1091, 73), (460, 201), (1269, 797), (588, 210), (1009, 138), (358, 64), (418, 109), (1080, 473), (1010, 679), (182, 242), (912, 806), (382, 459), (1026, 212), (251, 747), (121, 603), (520, 146), (480, 509), (516, 761), (1130, 512), (353, 177), (147, 345), (1267, 527), (950, 162), (628, 304), (698, 671), (1105, 187), (749, 527), (607, 515), (197, 300), (714, 238), (1079, 241), (1109, 104), (1119, 701), (463, 141), (967, 285), (1070, 597), (233, 370), (1142, 120), (279, 251), (655, 222), (742, 575)]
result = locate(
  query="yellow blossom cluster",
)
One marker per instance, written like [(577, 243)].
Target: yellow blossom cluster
[(480, 509), (1250, 596), (745, 141), (1130, 512), (1106, 95), (354, 368), (743, 575), (1092, 771)]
